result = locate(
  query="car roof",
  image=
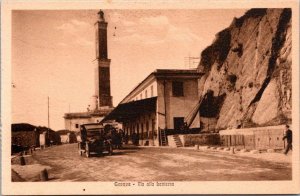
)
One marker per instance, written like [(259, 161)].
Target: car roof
[(93, 126)]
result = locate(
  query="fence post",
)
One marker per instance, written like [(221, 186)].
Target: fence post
[(22, 161), (254, 141), (269, 139), (283, 140), (44, 175)]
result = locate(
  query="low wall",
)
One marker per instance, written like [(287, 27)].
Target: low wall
[(28, 160), (200, 139), (254, 138)]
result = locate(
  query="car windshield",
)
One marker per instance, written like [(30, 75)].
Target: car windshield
[(91, 133)]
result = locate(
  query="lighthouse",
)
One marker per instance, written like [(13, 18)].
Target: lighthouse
[(101, 103), (103, 98)]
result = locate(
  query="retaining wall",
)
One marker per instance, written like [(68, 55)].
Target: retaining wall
[(198, 139), (254, 138)]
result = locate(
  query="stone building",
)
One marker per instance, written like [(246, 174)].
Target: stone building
[(74, 120), (25, 136), (159, 105), (102, 100)]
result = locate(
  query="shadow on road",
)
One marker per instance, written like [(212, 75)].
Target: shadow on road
[(130, 147), (52, 178), (123, 151)]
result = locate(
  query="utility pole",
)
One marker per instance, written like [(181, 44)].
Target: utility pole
[(70, 119), (48, 121), (190, 61)]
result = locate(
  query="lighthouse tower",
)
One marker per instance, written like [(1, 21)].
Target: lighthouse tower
[(103, 98), (101, 103)]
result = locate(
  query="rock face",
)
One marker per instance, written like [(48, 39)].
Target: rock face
[(247, 81)]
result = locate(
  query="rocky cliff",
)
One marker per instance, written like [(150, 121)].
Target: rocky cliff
[(247, 72)]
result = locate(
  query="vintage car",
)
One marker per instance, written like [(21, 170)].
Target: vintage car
[(94, 140)]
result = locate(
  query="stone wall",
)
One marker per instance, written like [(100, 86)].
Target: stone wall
[(260, 138)]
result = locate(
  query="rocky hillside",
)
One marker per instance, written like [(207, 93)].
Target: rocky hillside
[(247, 68)]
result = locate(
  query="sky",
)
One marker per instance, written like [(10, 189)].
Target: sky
[(53, 54)]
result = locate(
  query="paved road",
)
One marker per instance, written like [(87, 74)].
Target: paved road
[(157, 164)]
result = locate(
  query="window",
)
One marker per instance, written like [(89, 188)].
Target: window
[(178, 123), (146, 94), (141, 96), (151, 91), (76, 125), (177, 89)]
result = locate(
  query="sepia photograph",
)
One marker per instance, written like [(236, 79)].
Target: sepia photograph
[(150, 99)]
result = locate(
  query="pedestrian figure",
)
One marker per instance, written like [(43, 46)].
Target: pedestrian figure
[(126, 138), (289, 138), (118, 138), (135, 139)]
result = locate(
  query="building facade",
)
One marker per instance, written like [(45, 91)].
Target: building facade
[(74, 120), (162, 101)]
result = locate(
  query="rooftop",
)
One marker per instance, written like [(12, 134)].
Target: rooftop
[(168, 73), (89, 114), (133, 109), (176, 71)]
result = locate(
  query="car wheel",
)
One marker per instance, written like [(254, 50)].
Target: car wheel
[(79, 149), (99, 152), (110, 151)]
